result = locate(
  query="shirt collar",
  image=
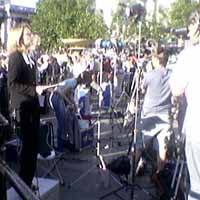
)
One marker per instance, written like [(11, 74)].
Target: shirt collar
[(28, 60)]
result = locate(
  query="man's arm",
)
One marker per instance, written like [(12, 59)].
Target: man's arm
[(179, 77), (176, 90)]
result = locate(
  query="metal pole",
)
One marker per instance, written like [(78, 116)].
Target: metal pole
[(137, 85), (21, 188), (99, 113), (3, 192)]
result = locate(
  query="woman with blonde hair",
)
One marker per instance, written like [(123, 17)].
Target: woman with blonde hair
[(24, 97)]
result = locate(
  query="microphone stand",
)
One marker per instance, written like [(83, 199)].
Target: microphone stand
[(100, 161)]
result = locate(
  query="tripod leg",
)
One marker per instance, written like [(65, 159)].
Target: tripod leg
[(178, 180), (55, 165), (62, 182), (3, 187), (175, 173), (51, 168)]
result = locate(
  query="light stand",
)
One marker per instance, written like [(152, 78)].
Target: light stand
[(113, 105), (131, 186), (135, 94), (99, 113), (137, 101), (112, 88), (100, 161)]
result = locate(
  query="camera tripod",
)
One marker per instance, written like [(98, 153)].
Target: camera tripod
[(132, 145), (100, 164), (117, 110), (179, 185)]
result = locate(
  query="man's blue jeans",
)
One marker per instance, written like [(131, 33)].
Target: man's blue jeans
[(60, 109)]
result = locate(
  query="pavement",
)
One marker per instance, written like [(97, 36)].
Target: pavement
[(84, 179)]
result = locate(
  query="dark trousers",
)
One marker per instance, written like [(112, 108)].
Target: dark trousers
[(29, 129)]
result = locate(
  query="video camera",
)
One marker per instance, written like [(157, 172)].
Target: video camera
[(178, 31)]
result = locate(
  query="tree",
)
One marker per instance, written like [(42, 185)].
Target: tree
[(150, 28), (56, 19), (180, 11)]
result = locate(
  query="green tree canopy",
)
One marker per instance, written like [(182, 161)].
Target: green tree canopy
[(180, 11), (56, 19), (129, 27)]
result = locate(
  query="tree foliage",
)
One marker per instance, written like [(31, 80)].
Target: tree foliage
[(129, 27), (56, 19), (180, 11), (174, 17)]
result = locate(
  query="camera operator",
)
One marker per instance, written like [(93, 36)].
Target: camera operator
[(185, 80), (154, 120)]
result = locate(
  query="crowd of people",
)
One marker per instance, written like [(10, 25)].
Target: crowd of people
[(26, 73)]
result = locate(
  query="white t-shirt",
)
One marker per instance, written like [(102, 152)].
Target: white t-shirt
[(186, 76)]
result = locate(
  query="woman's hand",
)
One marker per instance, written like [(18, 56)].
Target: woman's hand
[(41, 88)]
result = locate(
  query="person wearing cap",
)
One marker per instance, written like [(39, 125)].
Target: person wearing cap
[(185, 81)]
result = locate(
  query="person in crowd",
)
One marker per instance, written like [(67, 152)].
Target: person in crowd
[(185, 81), (53, 69), (34, 48), (154, 122), (24, 97), (4, 107), (4, 101), (62, 101)]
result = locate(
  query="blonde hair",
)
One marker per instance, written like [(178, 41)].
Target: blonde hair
[(15, 38)]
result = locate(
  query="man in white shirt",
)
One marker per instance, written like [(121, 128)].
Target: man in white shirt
[(185, 80)]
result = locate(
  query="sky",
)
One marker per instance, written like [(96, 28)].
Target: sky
[(25, 3)]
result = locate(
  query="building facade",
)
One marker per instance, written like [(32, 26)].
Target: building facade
[(12, 12)]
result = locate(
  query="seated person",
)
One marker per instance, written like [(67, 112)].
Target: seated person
[(62, 101), (82, 99), (154, 122)]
